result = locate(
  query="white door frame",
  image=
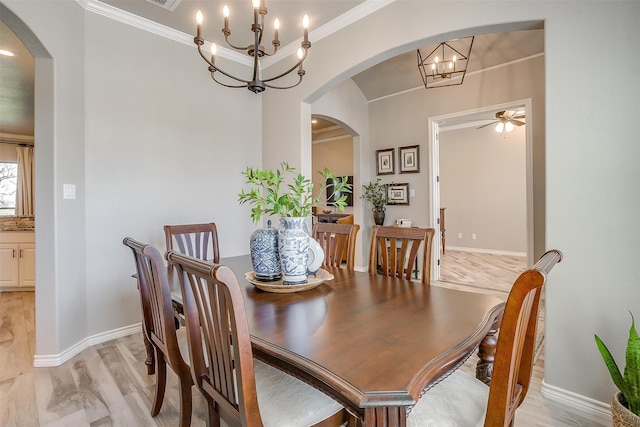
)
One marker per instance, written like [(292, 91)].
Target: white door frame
[(434, 185)]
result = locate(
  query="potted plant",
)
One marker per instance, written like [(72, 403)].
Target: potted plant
[(376, 194), (625, 406), (294, 202)]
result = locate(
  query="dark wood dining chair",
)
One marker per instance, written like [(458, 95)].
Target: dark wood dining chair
[(168, 345), (239, 389), (394, 251), (196, 240), (461, 399), (338, 241)]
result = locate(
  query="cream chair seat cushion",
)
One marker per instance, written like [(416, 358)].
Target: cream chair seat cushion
[(460, 400), (286, 401)]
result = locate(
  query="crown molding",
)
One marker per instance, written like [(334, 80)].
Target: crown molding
[(362, 10), (349, 17), (111, 12)]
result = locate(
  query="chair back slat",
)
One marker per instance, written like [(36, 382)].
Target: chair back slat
[(338, 241), (394, 251), (155, 294), (515, 350), (196, 240), (219, 340)]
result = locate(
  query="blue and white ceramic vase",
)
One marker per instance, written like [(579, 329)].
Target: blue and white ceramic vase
[(265, 256), (293, 243)]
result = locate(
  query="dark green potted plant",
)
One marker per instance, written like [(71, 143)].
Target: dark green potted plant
[(625, 406), (376, 194)]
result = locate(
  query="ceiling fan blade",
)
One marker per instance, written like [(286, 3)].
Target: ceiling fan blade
[(488, 124), (517, 122), (500, 114), (518, 116)]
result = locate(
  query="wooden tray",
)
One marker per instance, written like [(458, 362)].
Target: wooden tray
[(278, 287)]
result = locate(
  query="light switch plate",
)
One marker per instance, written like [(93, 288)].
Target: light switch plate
[(68, 191)]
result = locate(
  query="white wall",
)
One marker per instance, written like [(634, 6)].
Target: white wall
[(483, 188), (148, 139), (591, 173)]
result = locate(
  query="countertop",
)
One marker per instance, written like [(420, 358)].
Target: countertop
[(16, 223)]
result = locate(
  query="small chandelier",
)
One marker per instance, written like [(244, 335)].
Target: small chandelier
[(445, 65), (255, 84)]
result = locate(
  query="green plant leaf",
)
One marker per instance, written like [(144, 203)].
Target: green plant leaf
[(616, 376), (632, 370)]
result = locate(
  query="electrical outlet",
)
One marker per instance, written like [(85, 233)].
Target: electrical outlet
[(473, 236), (459, 235)]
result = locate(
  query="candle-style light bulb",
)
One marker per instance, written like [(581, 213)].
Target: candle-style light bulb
[(214, 49), (300, 56), (256, 4), (437, 59), (454, 59), (305, 25), (199, 19), (225, 14), (276, 27)]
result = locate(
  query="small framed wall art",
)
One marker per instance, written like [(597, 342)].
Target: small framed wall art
[(385, 161), (398, 194), (409, 159)]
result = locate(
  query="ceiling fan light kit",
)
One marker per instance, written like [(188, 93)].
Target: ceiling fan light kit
[(256, 83), (446, 65), (507, 121)]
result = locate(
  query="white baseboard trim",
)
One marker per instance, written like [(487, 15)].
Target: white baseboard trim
[(486, 251), (49, 360), (588, 408)]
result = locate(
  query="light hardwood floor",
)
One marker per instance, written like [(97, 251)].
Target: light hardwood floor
[(107, 384)]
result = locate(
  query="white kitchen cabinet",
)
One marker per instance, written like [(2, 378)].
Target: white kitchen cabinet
[(17, 260)]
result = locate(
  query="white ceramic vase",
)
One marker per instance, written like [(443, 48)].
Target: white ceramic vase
[(299, 253), (293, 243)]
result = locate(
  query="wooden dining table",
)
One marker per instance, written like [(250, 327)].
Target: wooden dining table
[(373, 343)]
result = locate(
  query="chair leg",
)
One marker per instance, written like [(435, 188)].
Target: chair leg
[(161, 383), (214, 416), (185, 401)]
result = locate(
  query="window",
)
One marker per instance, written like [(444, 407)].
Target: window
[(8, 183)]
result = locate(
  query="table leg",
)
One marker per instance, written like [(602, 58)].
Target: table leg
[(150, 360), (387, 416), (487, 352)]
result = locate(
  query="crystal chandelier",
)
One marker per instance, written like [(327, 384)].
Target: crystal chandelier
[(256, 83), (446, 65)]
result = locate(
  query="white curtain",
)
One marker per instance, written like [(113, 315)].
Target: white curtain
[(24, 193)]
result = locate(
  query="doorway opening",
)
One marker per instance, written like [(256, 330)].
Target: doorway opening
[(489, 213)]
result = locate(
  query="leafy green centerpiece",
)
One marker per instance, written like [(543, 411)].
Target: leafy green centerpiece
[(269, 195), (629, 383)]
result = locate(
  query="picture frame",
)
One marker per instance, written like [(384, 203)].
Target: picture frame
[(398, 194), (385, 160), (409, 159)]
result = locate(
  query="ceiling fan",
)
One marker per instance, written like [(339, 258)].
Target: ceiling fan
[(506, 120)]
